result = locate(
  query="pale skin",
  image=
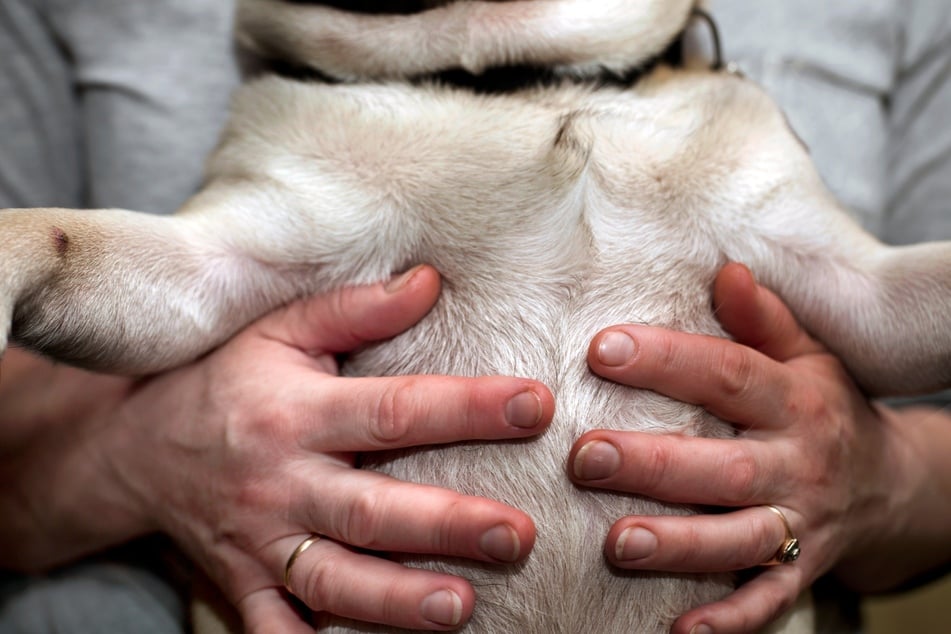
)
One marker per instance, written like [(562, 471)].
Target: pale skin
[(867, 489), (274, 441), (242, 455)]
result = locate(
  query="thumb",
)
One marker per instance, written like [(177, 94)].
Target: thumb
[(342, 320), (758, 318)]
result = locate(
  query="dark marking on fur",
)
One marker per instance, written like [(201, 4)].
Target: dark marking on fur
[(60, 241), (563, 130), (568, 139)]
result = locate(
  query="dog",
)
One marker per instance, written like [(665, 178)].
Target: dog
[(551, 212)]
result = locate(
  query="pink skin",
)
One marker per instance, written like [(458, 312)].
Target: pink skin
[(243, 454), (840, 468)]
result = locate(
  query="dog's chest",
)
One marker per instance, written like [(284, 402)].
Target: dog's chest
[(549, 215), (559, 197)]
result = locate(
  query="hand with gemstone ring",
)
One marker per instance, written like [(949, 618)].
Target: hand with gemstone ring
[(250, 451), (815, 478)]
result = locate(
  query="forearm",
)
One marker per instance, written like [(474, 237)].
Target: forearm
[(912, 538), (58, 497)]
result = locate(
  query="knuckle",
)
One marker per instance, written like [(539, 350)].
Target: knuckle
[(339, 305), (338, 312), (735, 374), (667, 353), (810, 402), (783, 603), (692, 549), (251, 494), (393, 607), (273, 424), (452, 531), (256, 420), (391, 421), (741, 476), (769, 609), (322, 586), (364, 518), (764, 539), (775, 604), (658, 464)]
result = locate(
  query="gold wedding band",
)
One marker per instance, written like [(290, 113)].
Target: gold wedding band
[(789, 550), (304, 545)]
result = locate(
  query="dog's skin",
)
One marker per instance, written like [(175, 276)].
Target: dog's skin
[(551, 213)]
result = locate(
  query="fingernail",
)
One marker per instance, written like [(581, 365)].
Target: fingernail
[(703, 628), (524, 410), (501, 543), (443, 607), (395, 284), (616, 348), (635, 543), (597, 460)]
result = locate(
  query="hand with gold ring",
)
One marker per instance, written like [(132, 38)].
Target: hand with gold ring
[(289, 469), (301, 547), (816, 475), (789, 549), (246, 453)]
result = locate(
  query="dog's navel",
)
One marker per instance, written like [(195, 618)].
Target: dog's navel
[(60, 241)]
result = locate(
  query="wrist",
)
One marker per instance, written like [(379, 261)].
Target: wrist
[(906, 540), (58, 499)]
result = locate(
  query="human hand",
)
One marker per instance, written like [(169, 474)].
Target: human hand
[(243, 455), (808, 442)]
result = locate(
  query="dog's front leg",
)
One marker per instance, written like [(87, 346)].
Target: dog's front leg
[(901, 340), (121, 291), (886, 311)]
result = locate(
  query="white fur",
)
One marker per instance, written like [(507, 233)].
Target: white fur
[(551, 213), (570, 35)]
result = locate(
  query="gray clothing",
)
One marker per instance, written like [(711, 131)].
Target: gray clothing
[(111, 103), (115, 103), (868, 88), (127, 590), (107, 103)]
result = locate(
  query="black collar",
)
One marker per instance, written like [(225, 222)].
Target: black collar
[(509, 79), (499, 79)]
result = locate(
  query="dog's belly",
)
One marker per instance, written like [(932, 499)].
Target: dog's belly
[(566, 581), (538, 324)]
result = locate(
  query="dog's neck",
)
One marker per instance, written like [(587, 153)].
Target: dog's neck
[(478, 44)]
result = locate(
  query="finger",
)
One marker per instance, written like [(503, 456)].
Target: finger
[(342, 320), (374, 511), (268, 610), (727, 379), (683, 469), (752, 606), (757, 317), (328, 577), (698, 543), (386, 413)]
